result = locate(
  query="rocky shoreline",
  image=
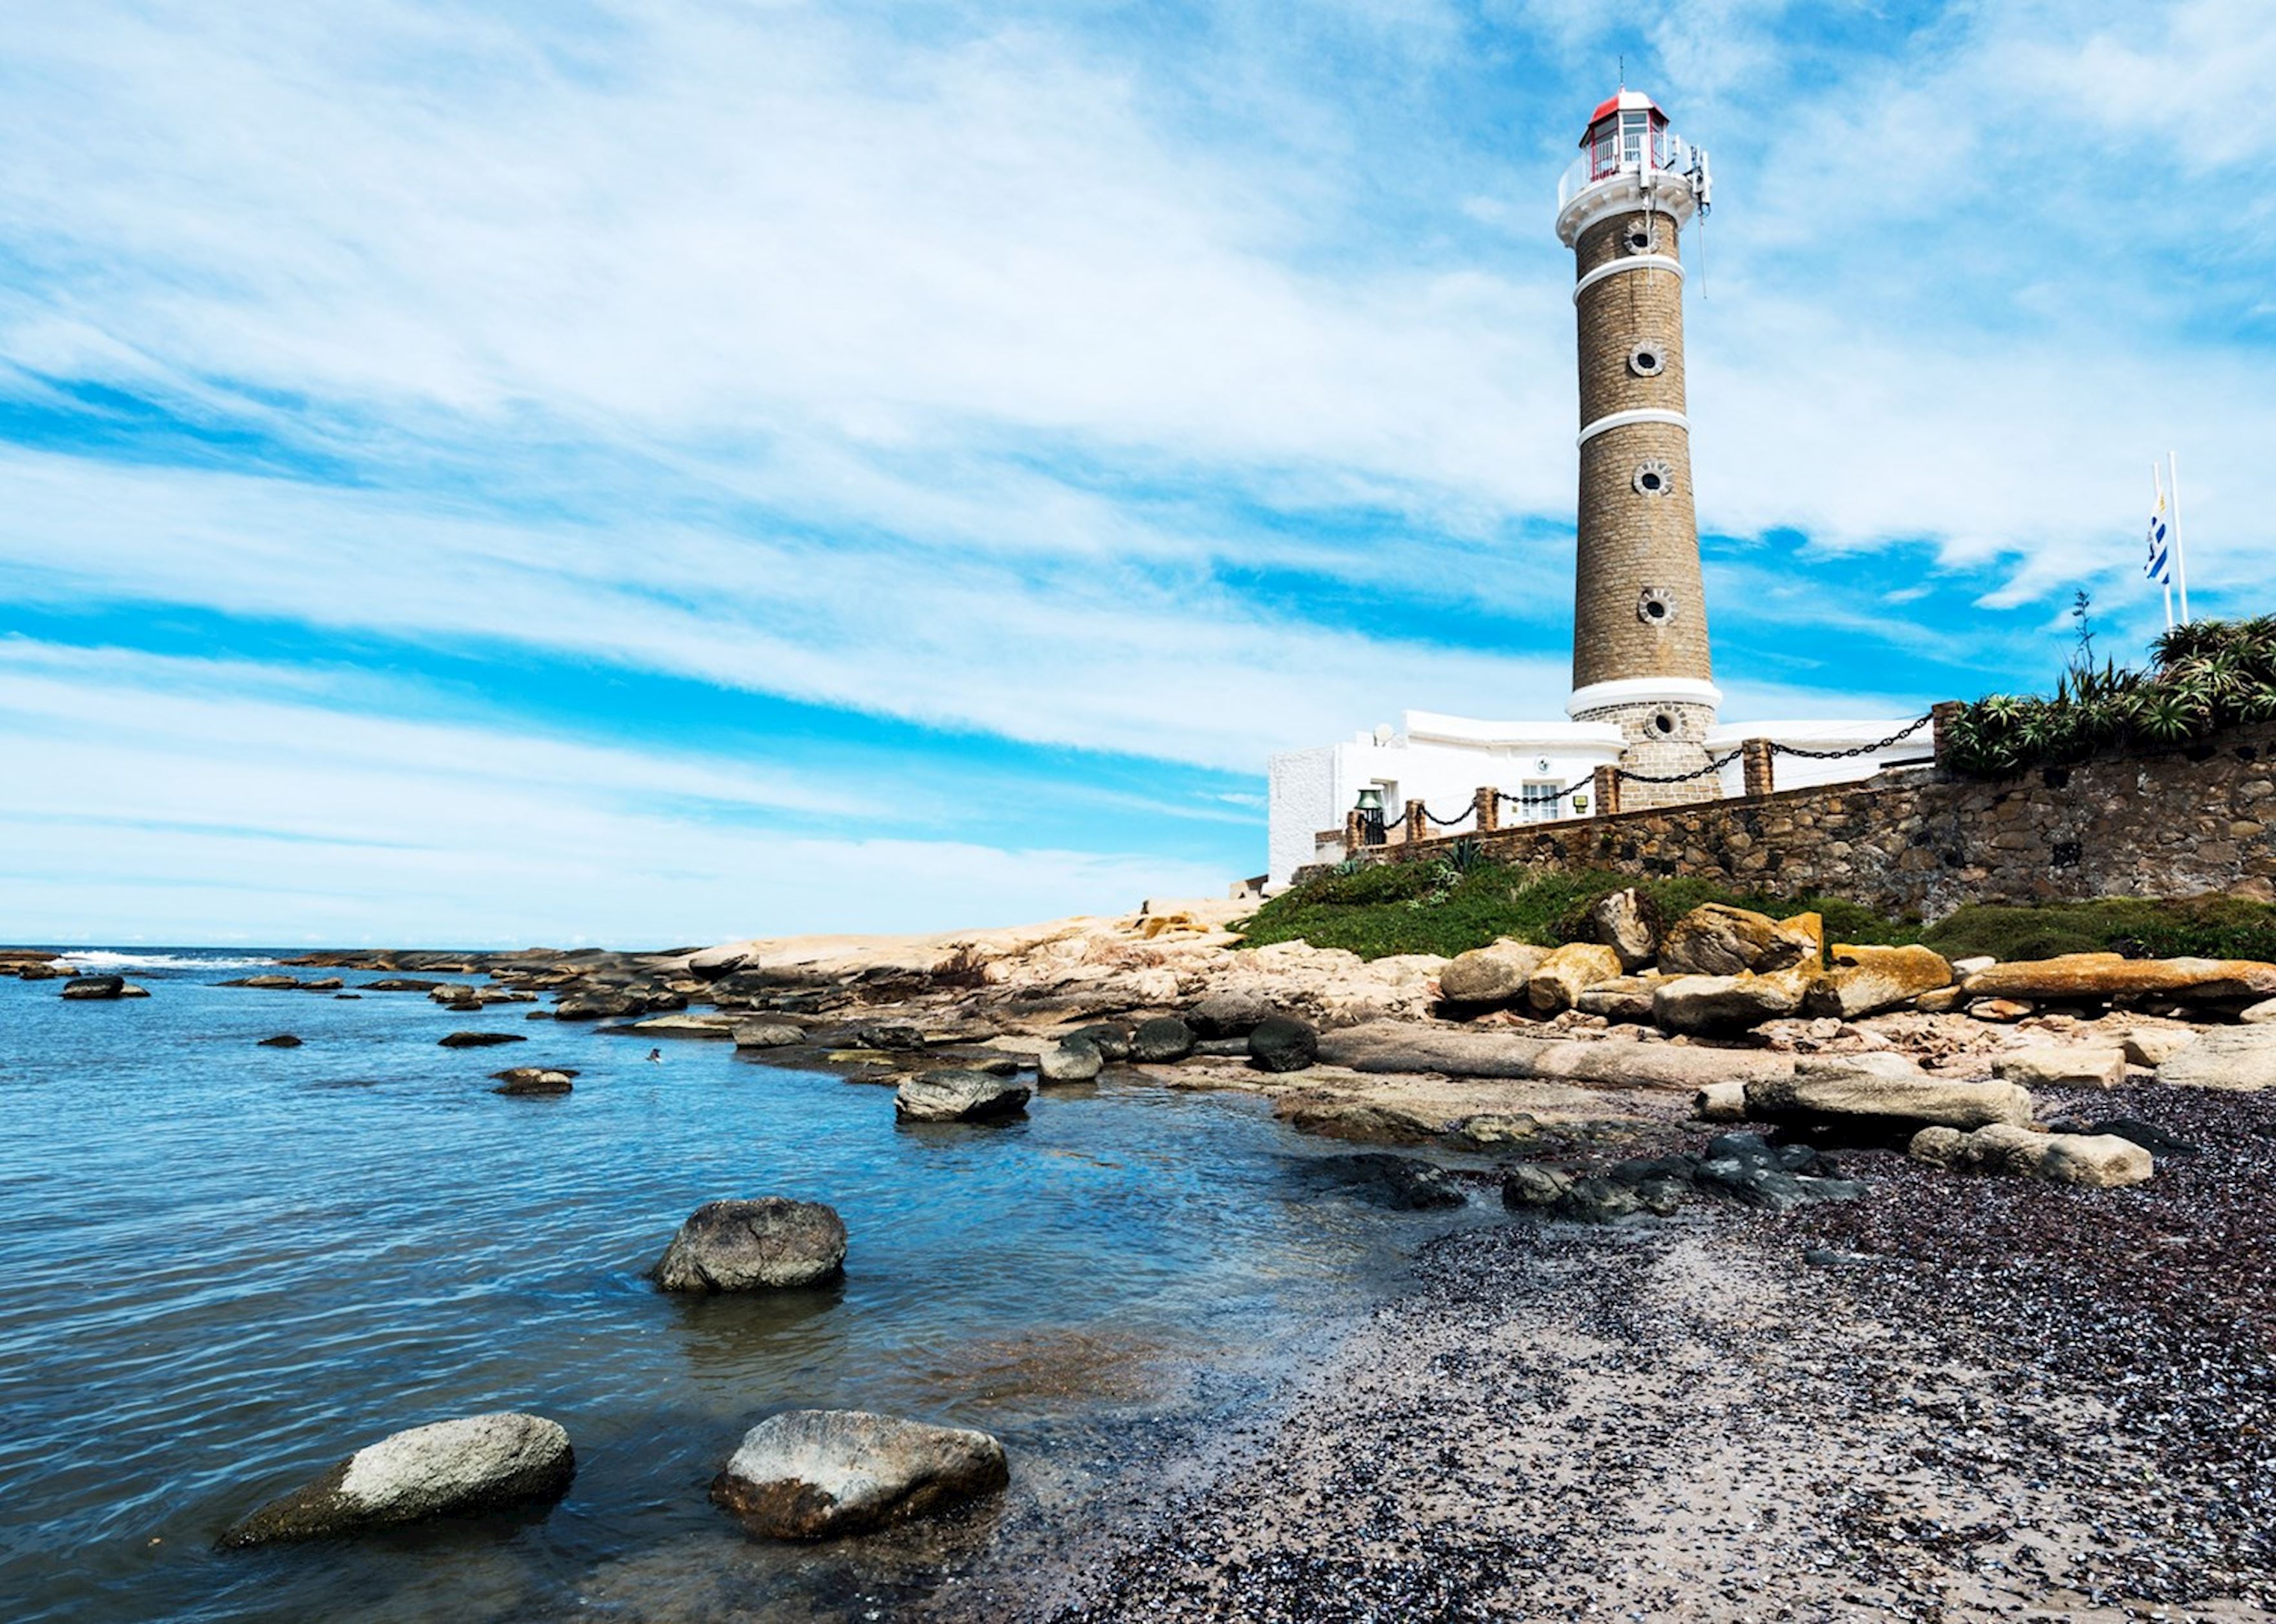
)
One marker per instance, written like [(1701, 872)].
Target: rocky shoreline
[(1759, 1337)]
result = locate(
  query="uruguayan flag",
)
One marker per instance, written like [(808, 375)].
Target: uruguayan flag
[(2160, 567)]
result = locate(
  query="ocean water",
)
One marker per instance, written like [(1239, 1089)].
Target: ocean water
[(228, 1266)]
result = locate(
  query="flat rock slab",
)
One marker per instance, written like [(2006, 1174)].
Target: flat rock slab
[(1886, 1095), (2243, 1057), (720, 1027), (2061, 1066), (1387, 1046), (771, 1244), (477, 1463), (814, 1474), (766, 1034), (2075, 976), (480, 1040)]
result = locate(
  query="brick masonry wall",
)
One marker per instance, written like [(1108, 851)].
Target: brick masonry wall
[(1628, 540), (1918, 842)]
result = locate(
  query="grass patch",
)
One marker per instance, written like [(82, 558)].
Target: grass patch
[(2207, 927), (1439, 908)]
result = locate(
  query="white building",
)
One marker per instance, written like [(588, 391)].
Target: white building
[(1443, 761)]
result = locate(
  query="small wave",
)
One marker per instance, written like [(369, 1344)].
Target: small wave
[(109, 960)]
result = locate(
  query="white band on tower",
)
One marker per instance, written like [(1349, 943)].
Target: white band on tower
[(1612, 268), (1641, 415)]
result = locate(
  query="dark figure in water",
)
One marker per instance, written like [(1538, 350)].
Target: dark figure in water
[(656, 1057)]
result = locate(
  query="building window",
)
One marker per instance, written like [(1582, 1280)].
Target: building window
[(1647, 360), (1654, 477), (1538, 800)]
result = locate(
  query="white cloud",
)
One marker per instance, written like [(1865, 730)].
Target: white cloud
[(158, 800)]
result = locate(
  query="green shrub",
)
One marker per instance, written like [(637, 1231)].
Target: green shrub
[(2207, 927), (2202, 678)]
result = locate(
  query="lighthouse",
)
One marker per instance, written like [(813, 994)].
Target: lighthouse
[(1640, 653)]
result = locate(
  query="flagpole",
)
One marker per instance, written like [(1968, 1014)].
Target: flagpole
[(2164, 576), (2180, 553)]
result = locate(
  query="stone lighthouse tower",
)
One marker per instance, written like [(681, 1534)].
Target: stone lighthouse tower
[(1640, 657)]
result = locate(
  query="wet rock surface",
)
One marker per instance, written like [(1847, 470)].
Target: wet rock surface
[(771, 1244), (476, 1463), (1906, 1406), (814, 1474), (960, 1095)]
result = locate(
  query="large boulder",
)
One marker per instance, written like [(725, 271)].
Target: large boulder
[(2077, 978), (1112, 1042), (1283, 1044), (1566, 972), (87, 987), (772, 1243), (1865, 981), (480, 1040), (1161, 1040), (598, 1004), (2060, 1066), (1234, 1013), (477, 1463), (811, 1474), (1711, 1004), (959, 1095), (1496, 973), (2098, 1160), (1882, 1095), (1073, 1059), (1715, 939), (1626, 923), (2242, 1058)]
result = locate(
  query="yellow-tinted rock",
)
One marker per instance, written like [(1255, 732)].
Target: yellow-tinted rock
[(1497, 974), (1715, 939), (1807, 933), (1866, 979), (1568, 972), (2096, 976)]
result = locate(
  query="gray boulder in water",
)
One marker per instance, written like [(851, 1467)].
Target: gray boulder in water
[(1074, 1059), (87, 987), (959, 1095), (810, 1474), (533, 1080), (771, 1244), (477, 1463)]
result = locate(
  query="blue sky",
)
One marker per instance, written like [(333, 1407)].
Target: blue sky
[(657, 472)]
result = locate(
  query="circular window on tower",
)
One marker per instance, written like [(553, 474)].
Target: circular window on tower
[(1648, 360), (1653, 477), (1639, 236), (1663, 725), (1654, 606)]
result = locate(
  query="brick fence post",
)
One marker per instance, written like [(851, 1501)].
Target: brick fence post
[(1417, 827), (1485, 800), (1941, 718), (1755, 765), (1604, 784)]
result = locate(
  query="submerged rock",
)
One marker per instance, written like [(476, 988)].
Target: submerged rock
[(533, 1080), (813, 1474), (1378, 1178), (477, 1463), (480, 1040), (772, 1243), (94, 987), (283, 1040), (959, 1095)]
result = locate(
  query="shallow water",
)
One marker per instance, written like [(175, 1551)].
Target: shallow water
[(228, 1266)]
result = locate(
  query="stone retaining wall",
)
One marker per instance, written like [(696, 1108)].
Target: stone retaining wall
[(1919, 841)]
